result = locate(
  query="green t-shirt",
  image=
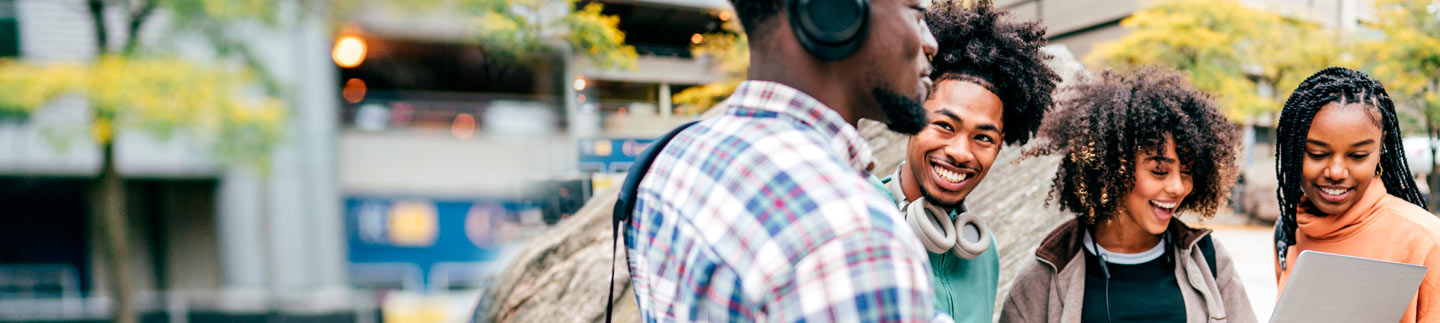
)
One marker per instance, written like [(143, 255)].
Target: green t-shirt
[(964, 288)]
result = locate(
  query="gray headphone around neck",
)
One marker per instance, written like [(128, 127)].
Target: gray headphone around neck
[(966, 236), (829, 29)]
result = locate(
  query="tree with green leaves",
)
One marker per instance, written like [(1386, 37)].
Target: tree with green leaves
[(539, 32), (525, 29), (1227, 48), (133, 89), (1407, 57)]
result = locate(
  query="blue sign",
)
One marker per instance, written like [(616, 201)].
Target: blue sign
[(403, 241), (611, 155)]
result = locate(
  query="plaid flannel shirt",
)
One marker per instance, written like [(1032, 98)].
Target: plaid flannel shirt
[(765, 213)]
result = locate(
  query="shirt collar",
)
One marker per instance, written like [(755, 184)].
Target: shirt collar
[(754, 98)]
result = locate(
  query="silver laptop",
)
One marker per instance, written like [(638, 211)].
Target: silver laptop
[(1327, 287)]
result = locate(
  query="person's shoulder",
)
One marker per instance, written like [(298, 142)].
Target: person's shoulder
[(1061, 244), (1414, 219), (781, 139), (1029, 288)]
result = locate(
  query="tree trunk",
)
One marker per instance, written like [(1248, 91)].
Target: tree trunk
[(110, 207), (109, 193), (1433, 179)]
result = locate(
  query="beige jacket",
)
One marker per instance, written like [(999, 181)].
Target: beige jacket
[(1052, 288)]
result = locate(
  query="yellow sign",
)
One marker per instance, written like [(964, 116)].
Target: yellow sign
[(601, 181), (413, 224), (603, 148)]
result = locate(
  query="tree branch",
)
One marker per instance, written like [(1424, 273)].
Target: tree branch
[(97, 13), (137, 19)]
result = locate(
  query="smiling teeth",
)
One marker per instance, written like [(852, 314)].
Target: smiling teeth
[(1333, 191), (950, 176), (1170, 205)]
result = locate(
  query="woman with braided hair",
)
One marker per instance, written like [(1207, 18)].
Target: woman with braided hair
[(1344, 184)]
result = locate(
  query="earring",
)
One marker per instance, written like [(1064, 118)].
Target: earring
[(1379, 170)]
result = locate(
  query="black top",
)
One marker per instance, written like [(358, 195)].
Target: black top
[(1144, 292)]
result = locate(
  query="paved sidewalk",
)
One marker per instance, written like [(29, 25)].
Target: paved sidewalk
[(1249, 245)]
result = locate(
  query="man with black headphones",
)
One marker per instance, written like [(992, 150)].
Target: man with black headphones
[(991, 88), (765, 212)]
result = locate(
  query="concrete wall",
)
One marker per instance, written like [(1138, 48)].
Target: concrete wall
[(439, 165)]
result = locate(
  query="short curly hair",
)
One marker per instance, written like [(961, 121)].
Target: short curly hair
[(1104, 121), (981, 44)]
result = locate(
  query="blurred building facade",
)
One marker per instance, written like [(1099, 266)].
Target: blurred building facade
[(412, 171), (207, 242)]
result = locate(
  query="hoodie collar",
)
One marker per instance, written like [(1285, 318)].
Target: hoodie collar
[(1330, 227)]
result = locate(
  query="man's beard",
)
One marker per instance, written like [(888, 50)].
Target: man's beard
[(906, 115), (935, 200), (919, 178)]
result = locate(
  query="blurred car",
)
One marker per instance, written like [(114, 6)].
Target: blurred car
[(1258, 197), (1418, 154)]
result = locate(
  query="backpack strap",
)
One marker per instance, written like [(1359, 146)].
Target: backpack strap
[(625, 203), (1207, 248)]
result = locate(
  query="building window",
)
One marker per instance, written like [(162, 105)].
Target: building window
[(9, 30)]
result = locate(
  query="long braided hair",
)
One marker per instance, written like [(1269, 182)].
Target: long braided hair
[(1345, 86)]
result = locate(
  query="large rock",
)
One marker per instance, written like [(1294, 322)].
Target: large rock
[(560, 275)]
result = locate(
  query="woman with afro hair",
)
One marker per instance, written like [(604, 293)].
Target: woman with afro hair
[(1344, 184), (1139, 148)]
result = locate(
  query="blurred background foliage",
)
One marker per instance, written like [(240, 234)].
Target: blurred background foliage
[(1406, 55), (521, 29), (1251, 58), (729, 52)]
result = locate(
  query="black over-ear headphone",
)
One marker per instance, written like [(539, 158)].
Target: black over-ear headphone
[(829, 29)]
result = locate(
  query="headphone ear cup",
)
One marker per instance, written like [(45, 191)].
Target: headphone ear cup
[(829, 29), (937, 234), (970, 245)]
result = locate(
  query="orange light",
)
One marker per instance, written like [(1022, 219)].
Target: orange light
[(354, 90), (724, 16), (621, 112), (349, 51), (580, 98), (579, 84), (697, 38), (464, 126)]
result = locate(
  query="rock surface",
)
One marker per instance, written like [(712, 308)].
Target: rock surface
[(560, 275)]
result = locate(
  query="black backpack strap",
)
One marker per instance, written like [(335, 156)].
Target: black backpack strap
[(625, 203), (1207, 248)]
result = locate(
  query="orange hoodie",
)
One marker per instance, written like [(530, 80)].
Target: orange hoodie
[(1379, 226)]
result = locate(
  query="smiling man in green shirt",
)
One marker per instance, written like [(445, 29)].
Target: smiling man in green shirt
[(991, 89)]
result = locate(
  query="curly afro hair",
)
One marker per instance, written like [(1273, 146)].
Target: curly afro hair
[(979, 44), (1103, 123)]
